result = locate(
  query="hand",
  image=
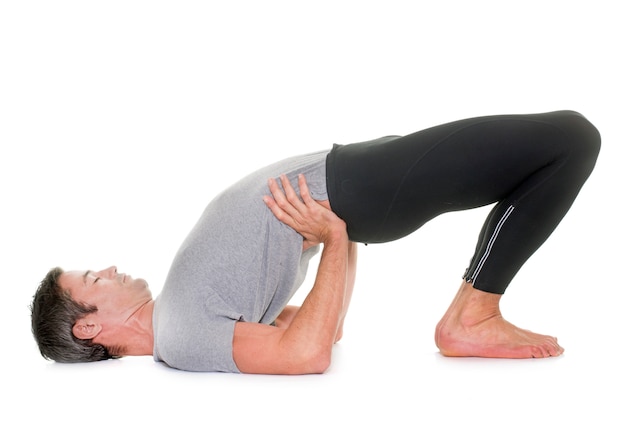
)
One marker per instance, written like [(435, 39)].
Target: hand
[(313, 221)]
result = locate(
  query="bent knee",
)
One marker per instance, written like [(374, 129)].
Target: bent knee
[(580, 141), (583, 135)]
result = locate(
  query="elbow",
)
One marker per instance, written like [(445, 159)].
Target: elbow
[(321, 362), (313, 360)]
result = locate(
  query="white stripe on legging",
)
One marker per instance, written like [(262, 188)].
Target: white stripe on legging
[(492, 240)]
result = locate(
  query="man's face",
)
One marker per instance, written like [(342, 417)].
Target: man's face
[(116, 295)]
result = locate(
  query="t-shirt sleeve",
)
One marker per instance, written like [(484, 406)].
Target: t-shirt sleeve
[(197, 343)]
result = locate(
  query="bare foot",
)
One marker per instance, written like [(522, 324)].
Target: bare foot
[(473, 326)]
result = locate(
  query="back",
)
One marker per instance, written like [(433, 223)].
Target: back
[(238, 263)]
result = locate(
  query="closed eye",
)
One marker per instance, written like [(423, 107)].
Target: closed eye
[(87, 273)]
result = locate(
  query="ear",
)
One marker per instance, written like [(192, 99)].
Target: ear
[(86, 329)]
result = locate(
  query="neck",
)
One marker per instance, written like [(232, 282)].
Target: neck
[(142, 343), (135, 336)]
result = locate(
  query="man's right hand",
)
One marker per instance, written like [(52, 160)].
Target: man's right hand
[(315, 222)]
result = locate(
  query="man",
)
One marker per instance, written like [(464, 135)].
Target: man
[(224, 303)]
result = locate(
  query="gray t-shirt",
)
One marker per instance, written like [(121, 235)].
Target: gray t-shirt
[(238, 263)]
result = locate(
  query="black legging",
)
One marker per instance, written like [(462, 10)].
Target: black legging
[(531, 166)]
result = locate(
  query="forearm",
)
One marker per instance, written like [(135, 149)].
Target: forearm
[(312, 331), (306, 345), (350, 280)]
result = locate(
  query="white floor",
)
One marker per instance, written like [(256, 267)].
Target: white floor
[(117, 121)]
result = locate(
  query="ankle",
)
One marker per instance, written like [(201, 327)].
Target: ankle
[(475, 306)]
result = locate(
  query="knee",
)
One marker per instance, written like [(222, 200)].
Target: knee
[(582, 139)]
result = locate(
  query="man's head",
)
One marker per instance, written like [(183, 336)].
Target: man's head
[(77, 316), (53, 314)]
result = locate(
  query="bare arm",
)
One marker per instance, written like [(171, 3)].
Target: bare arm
[(305, 345), (287, 315), (351, 277)]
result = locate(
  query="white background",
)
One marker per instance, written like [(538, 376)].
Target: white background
[(119, 120)]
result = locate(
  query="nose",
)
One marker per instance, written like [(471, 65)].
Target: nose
[(111, 271)]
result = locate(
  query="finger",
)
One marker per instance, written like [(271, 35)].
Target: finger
[(276, 209), (305, 194), (274, 188), (291, 194), (278, 194), (277, 202)]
